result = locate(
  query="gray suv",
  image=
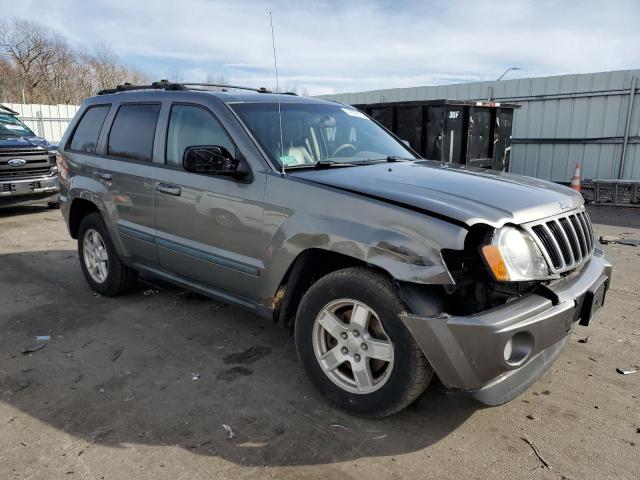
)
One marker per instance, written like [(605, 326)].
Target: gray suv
[(389, 268)]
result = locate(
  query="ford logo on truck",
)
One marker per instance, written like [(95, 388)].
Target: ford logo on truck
[(17, 162)]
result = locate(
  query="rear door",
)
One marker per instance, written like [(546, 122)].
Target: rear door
[(209, 229), (126, 170)]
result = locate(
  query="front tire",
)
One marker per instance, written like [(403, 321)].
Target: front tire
[(101, 265), (354, 347)]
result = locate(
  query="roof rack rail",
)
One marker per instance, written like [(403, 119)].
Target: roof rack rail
[(167, 85), (127, 87), (7, 109), (224, 85)]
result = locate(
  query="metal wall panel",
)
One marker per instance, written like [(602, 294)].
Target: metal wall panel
[(563, 120)]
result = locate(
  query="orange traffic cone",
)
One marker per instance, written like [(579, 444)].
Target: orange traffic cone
[(575, 181)]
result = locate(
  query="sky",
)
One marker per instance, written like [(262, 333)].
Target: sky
[(326, 46)]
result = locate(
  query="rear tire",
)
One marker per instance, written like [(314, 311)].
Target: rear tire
[(354, 347), (101, 265)]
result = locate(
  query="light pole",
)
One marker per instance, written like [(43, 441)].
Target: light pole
[(507, 71)]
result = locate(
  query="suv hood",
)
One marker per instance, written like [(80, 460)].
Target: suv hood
[(24, 142), (465, 194)]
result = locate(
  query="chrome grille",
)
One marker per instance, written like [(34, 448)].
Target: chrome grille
[(566, 240), (38, 163)]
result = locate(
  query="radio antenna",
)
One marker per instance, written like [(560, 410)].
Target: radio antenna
[(275, 67)]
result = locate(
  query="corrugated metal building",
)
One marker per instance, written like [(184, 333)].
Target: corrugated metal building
[(590, 119)]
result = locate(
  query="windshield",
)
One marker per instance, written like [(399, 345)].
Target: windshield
[(313, 133), (10, 126)]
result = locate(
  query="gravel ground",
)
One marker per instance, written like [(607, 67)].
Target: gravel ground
[(141, 386)]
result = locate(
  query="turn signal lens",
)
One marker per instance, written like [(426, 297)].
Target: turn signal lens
[(496, 263)]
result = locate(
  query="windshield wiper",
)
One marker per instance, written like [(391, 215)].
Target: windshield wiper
[(320, 164)]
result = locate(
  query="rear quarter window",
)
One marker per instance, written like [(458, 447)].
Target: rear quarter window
[(85, 138), (132, 132)]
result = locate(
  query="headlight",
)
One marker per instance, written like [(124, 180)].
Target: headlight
[(513, 256)]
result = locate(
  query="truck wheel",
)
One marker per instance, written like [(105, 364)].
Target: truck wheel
[(353, 346), (101, 265)]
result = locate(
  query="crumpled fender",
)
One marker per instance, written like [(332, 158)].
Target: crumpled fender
[(404, 243)]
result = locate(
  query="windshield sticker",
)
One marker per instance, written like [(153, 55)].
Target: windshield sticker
[(289, 160), (353, 112), (13, 127)]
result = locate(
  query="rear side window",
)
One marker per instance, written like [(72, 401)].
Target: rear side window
[(132, 132), (85, 138), (193, 126)]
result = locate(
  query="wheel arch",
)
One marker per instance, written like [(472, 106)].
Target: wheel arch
[(309, 266), (80, 208)]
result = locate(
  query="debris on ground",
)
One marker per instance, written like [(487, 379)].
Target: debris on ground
[(43, 338), (116, 354), (607, 239), (230, 433), (536, 451), (151, 291), (248, 356), (531, 417), (583, 340), (233, 373), (22, 386), (339, 425), (34, 348), (626, 370), (195, 376)]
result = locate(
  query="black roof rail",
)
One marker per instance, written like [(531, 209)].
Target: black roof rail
[(224, 86), (8, 110), (167, 85), (127, 87)]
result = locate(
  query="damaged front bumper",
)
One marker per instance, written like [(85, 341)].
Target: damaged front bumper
[(499, 353)]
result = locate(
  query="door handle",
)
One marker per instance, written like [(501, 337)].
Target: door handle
[(103, 175), (168, 189)]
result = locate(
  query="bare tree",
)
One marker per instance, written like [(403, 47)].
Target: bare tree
[(37, 65)]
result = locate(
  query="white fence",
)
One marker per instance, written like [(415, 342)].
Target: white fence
[(48, 121)]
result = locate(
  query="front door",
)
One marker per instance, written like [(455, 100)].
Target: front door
[(127, 173), (209, 229)]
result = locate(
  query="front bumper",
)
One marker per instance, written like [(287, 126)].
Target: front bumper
[(472, 352), (43, 188)]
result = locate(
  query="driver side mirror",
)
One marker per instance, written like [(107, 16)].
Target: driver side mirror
[(213, 160)]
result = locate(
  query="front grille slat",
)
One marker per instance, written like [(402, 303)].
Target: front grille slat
[(584, 245), (21, 152), (544, 237), (584, 220), (555, 245), (24, 172), (574, 238), (565, 240)]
